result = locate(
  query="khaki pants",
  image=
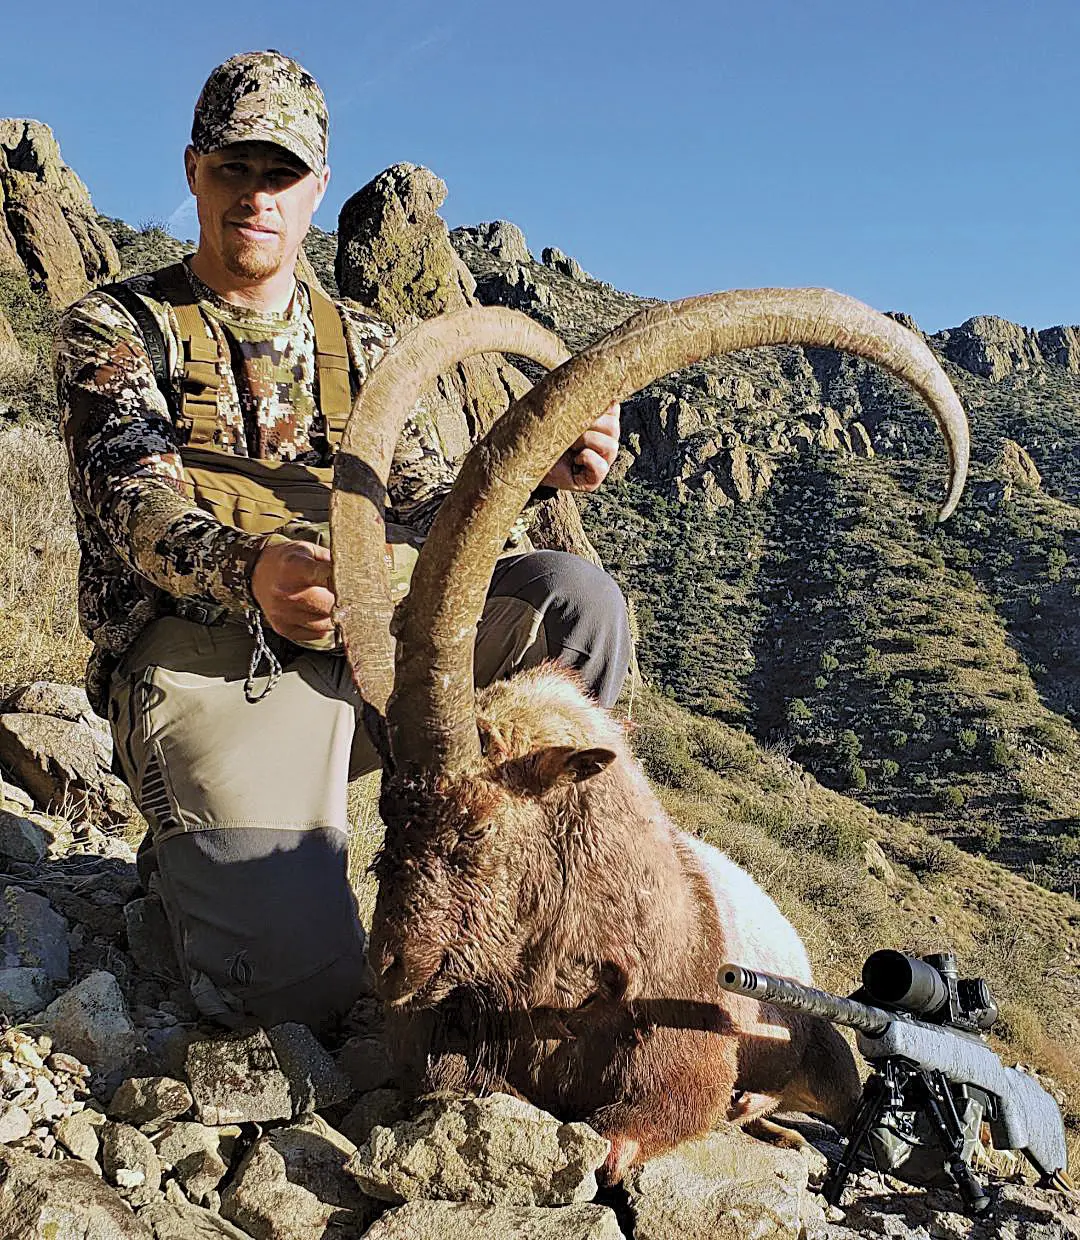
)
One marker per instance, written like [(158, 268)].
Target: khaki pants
[(246, 801)]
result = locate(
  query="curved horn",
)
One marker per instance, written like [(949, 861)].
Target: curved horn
[(362, 467), (431, 712)]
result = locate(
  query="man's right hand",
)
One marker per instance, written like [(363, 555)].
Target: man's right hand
[(291, 584)]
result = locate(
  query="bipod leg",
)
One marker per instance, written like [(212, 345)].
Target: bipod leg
[(942, 1109), (877, 1095)]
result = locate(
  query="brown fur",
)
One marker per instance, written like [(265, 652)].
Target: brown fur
[(541, 929)]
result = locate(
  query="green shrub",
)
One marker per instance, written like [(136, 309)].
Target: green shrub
[(966, 740), (898, 738), (828, 663), (953, 798), (890, 769), (718, 749), (936, 857), (798, 712), (987, 837), (854, 775), (1000, 756), (665, 754)]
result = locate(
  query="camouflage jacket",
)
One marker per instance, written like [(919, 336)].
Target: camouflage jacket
[(143, 543)]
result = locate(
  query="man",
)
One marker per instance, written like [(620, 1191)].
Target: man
[(201, 405)]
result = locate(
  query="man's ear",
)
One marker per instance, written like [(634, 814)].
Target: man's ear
[(324, 181), (190, 159), (563, 764)]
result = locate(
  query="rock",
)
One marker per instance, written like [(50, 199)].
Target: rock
[(294, 1184), (24, 991), (170, 1221), (47, 222), (80, 1133), (727, 1186), (493, 1150), (17, 797), (53, 759), (563, 263), (877, 863), (149, 938), (395, 256), (315, 1080), (49, 697), (149, 1100), (366, 1062), (437, 1220), (237, 1079), (33, 935), (199, 1156), (1017, 465), (129, 1160), (41, 1199), (91, 1021), (861, 444), (991, 347), (504, 240), (15, 1123), (21, 839), (381, 1108), (1060, 346)]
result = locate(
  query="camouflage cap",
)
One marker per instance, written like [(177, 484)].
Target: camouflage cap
[(262, 97)]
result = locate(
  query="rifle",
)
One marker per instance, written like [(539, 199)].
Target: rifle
[(935, 1079)]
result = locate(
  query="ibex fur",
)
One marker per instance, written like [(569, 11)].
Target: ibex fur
[(541, 925)]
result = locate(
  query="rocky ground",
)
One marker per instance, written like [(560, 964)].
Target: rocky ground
[(122, 1116)]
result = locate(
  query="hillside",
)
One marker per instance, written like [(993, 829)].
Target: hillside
[(772, 516), (875, 714)]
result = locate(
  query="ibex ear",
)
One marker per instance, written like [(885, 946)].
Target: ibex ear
[(563, 764)]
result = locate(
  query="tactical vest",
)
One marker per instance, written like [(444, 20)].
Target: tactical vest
[(256, 496)]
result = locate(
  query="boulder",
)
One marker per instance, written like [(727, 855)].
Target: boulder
[(33, 935), (47, 222), (1017, 466), (22, 839), (237, 1079), (130, 1162), (198, 1156), (80, 1134), (493, 1150), (727, 1186), (504, 240), (294, 1184), (436, 1220), (381, 1108), (315, 1080), (40, 1198), (395, 257), (562, 263), (91, 1021), (180, 1221), (150, 1100), (55, 760), (990, 346), (260, 1075), (24, 991)]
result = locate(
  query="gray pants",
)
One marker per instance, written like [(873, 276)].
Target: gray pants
[(246, 801)]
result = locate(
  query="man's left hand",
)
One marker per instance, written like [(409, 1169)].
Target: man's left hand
[(585, 464)]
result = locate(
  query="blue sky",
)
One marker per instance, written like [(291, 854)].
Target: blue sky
[(921, 155)]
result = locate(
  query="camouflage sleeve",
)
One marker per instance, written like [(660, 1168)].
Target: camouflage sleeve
[(126, 475), (422, 473)]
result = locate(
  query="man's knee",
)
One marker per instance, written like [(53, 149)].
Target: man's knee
[(583, 615)]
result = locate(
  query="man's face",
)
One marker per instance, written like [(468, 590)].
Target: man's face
[(255, 203)]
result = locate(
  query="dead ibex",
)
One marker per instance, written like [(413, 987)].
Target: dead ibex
[(541, 925)]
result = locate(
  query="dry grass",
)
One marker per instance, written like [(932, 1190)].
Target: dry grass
[(15, 362), (39, 558)]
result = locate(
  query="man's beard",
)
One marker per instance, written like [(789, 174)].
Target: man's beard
[(253, 260)]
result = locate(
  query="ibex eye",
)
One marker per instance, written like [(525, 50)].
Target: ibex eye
[(476, 831)]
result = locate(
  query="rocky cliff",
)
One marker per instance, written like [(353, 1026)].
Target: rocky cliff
[(47, 223)]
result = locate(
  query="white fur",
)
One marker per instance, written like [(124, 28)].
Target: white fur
[(758, 935)]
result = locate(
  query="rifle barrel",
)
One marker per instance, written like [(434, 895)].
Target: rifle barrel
[(771, 988)]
